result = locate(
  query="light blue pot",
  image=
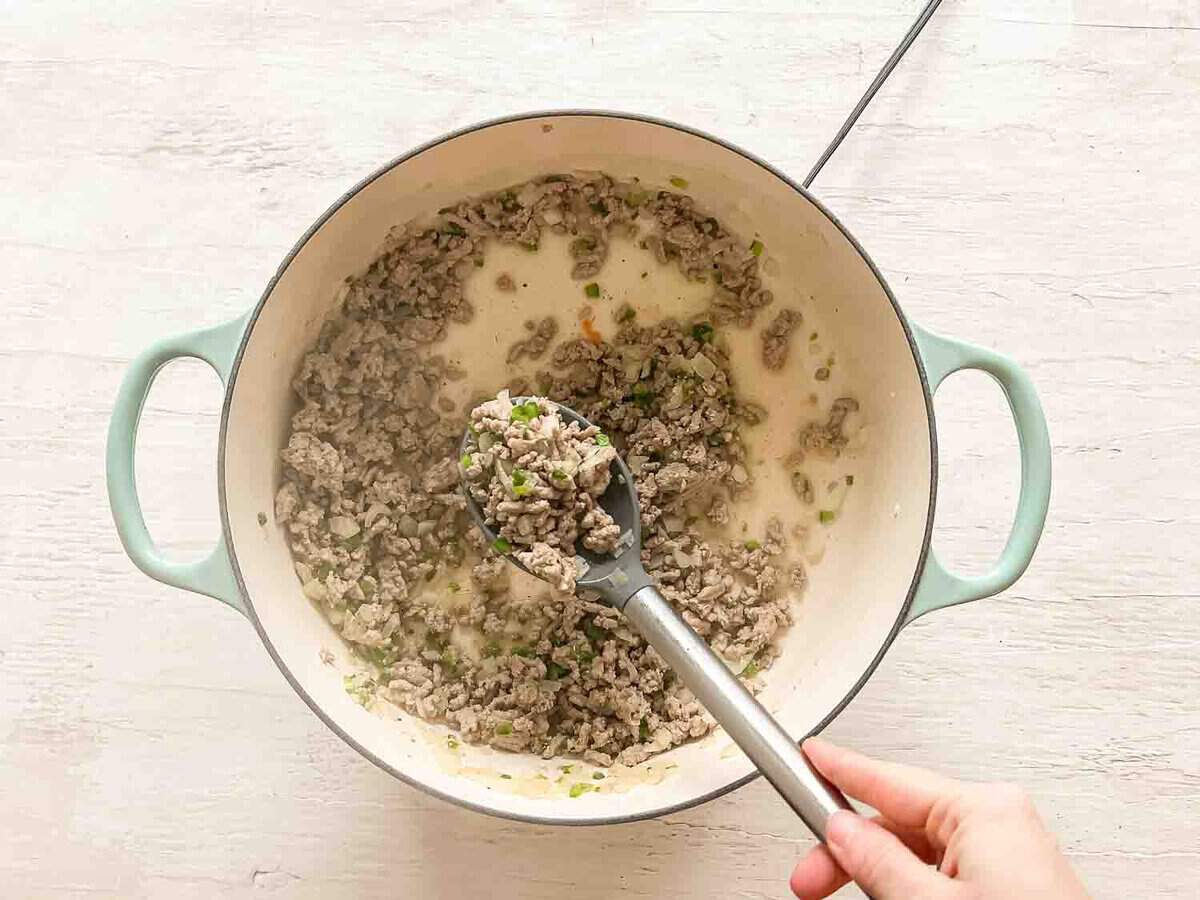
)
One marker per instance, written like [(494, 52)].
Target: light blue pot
[(255, 355)]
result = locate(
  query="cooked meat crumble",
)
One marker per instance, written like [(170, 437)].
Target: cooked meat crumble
[(776, 338), (377, 526), (538, 481)]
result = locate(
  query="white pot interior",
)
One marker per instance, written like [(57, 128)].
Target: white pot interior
[(856, 592)]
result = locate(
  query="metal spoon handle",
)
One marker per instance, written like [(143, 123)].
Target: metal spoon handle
[(762, 739)]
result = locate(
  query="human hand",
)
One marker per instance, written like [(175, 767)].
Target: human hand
[(986, 841)]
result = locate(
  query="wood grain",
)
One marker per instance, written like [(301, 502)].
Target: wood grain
[(1026, 180)]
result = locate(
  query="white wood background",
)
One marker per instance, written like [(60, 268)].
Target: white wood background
[(1028, 179)]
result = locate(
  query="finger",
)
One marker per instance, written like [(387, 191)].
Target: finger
[(818, 874), (904, 794), (879, 862)]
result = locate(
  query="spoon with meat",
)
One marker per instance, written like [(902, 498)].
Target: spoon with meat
[(552, 495)]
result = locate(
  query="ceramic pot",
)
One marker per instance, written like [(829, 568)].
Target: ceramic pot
[(877, 573)]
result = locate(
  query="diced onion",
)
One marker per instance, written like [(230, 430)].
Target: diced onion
[(315, 591), (374, 511), (703, 366), (343, 526), (530, 194)]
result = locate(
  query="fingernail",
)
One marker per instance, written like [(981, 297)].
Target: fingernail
[(842, 828)]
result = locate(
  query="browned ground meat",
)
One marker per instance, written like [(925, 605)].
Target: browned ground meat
[(370, 502), (777, 336), (536, 343), (538, 481)]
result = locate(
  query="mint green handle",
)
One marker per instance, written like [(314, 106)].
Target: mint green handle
[(212, 575), (938, 587)]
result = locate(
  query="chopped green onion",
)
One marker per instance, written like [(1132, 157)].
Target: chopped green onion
[(454, 228), (367, 587), (592, 289), (849, 480), (751, 669), (594, 632), (504, 728), (581, 788), (584, 655), (643, 731), (636, 198), (602, 440), (826, 516), (377, 656), (262, 518), (642, 395), (554, 671), (813, 336), (324, 570), (451, 742), (500, 545), (598, 776), (757, 248), (354, 541), (628, 314), (558, 475), (455, 587), (521, 483), (703, 332), (492, 649), (566, 769), (680, 183), (752, 545), (599, 206), (526, 412), (522, 651), (465, 461)]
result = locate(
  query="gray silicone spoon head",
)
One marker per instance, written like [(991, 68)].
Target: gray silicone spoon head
[(622, 581), (614, 578)]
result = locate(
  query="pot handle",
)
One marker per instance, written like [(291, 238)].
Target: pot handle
[(213, 575), (938, 587)]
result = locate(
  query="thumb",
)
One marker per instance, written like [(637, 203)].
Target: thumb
[(877, 860)]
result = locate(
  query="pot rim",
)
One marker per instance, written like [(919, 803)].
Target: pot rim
[(252, 319)]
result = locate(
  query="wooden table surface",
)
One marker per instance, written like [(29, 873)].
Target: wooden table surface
[(1028, 180)]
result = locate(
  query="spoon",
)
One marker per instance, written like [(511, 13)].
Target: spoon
[(622, 582)]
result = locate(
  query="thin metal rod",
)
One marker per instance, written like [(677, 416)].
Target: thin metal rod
[(893, 61)]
